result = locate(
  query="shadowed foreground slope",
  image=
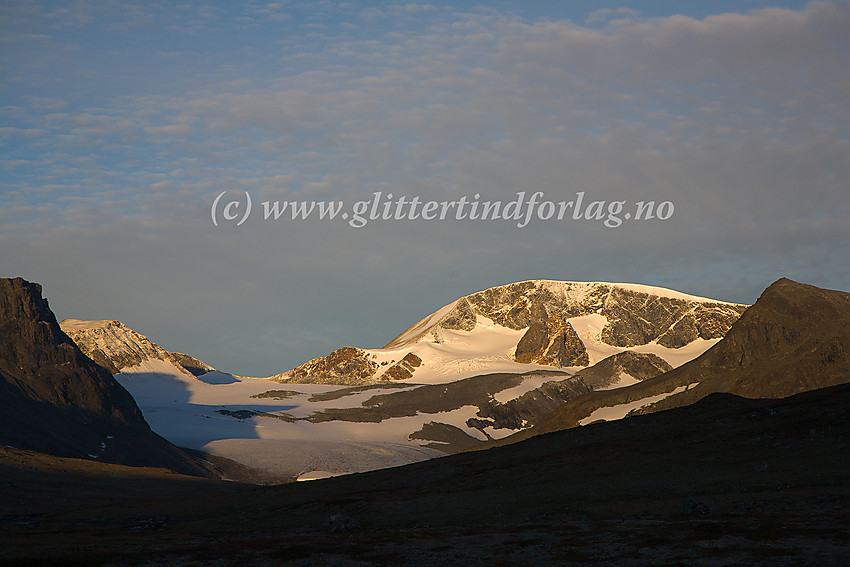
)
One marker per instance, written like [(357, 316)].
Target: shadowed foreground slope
[(726, 481)]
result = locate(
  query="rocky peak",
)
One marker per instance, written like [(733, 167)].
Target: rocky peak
[(791, 316), (41, 360), (619, 315), (115, 346)]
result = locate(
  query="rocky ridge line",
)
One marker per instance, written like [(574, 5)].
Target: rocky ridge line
[(115, 346)]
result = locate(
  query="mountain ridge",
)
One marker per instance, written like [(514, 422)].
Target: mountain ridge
[(246, 419), (115, 346), (458, 314)]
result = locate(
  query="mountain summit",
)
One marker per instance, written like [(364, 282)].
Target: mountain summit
[(532, 325)]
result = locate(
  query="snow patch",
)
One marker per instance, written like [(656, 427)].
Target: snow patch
[(529, 383), (502, 432), (611, 413), (316, 475), (676, 357)]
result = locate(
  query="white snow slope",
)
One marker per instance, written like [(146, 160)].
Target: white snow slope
[(188, 412)]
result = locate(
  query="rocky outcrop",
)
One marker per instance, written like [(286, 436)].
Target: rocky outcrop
[(519, 305), (403, 369), (192, 364), (553, 342), (638, 318), (56, 400), (461, 318), (608, 371), (528, 409), (709, 321), (347, 366)]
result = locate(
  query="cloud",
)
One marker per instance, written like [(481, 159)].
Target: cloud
[(605, 14), (738, 119)]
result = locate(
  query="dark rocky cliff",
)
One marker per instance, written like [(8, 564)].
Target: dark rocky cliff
[(56, 400)]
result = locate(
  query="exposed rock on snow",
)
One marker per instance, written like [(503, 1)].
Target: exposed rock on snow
[(538, 322), (700, 322), (347, 366), (404, 368), (192, 364), (553, 342), (528, 409), (636, 314), (461, 318)]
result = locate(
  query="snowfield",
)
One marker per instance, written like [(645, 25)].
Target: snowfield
[(188, 412), (488, 348), (610, 413)]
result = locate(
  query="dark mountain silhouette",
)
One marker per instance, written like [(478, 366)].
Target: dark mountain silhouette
[(795, 338)]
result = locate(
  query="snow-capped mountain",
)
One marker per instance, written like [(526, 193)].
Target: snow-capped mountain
[(480, 369), (528, 325), (491, 368)]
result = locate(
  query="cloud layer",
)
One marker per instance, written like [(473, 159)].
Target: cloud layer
[(121, 123)]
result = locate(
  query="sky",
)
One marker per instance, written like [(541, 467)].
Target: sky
[(121, 124)]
